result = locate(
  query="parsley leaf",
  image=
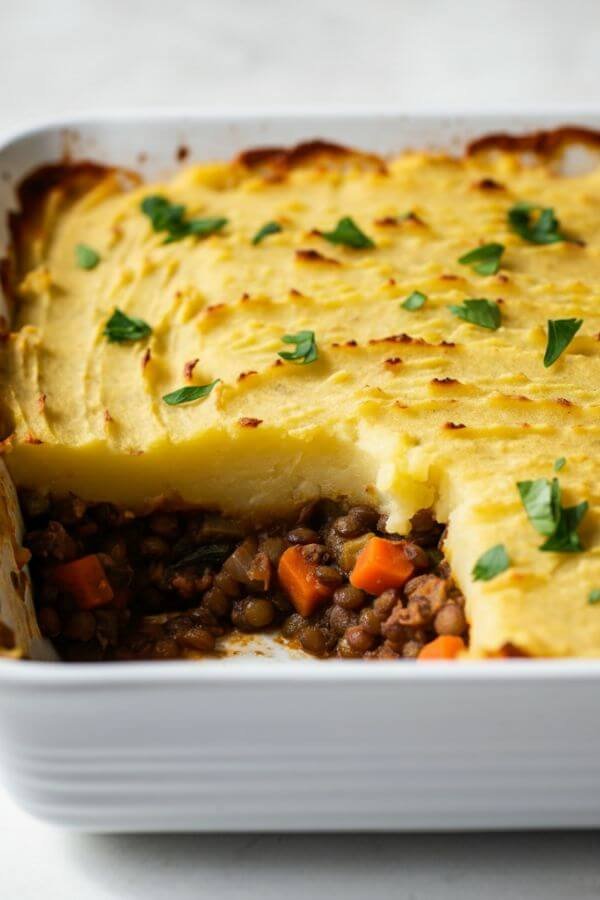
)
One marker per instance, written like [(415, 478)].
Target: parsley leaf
[(306, 347), (190, 393), (536, 224), (565, 539), (86, 257), (485, 259), (594, 595), (491, 563), (348, 233), (480, 312), (414, 301), (560, 334), (541, 499), (170, 217), (269, 228), (121, 328), (559, 463)]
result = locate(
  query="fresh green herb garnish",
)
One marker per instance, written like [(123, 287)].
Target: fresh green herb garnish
[(485, 260), (536, 224), (86, 257), (306, 347), (170, 217), (559, 463), (414, 301), (121, 328), (594, 595), (491, 563), (541, 499), (269, 228), (560, 334), (484, 313), (190, 393), (348, 233), (565, 539)]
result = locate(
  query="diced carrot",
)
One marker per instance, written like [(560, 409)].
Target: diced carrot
[(381, 565), (85, 580), (447, 646), (298, 578)]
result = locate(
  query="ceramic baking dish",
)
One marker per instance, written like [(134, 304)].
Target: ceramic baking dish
[(261, 742)]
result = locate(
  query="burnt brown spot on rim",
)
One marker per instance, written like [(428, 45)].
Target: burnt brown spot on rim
[(445, 382), (189, 367), (510, 650), (215, 307), (32, 439), (542, 143), (313, 256), (454, 426), (295, 293), (107, 417), (562, 401), (387, 222), (8, 287), (392, 361), (249, 422), (287, 158), (72, 179), (243, 375), (449, 276), (146, 358)]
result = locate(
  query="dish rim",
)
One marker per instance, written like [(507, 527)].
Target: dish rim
[(16, 673)]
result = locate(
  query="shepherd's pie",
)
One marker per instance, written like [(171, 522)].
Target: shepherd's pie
[(253, 395)]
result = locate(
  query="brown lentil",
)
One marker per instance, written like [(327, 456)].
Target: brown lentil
[(359, 639), (303, 535), (349, 597), (313, 640), (450, 620), (258, 612)]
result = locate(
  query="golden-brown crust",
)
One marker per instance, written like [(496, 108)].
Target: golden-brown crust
[(542, 143), (76, 178)]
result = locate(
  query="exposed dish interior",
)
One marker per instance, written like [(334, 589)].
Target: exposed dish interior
[(404, 409)]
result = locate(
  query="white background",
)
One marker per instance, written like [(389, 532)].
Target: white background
[(62, 57)]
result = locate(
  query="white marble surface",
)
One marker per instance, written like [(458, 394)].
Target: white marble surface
[(64, 57)]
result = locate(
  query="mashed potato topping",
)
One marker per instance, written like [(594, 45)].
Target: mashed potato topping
[(403, 407)]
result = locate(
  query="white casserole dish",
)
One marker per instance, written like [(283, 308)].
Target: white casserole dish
[(259, 743)]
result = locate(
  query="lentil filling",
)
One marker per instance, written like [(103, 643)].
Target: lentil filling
[(110, 585)]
